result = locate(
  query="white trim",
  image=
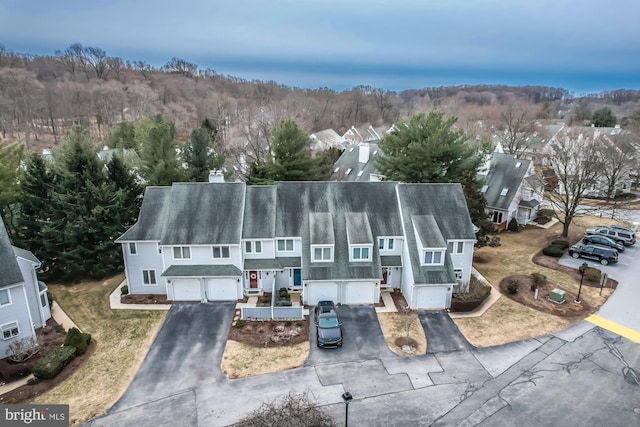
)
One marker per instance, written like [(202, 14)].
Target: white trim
[(133, 245), (221, 248), (285, 245), (434, 251), (181, 248), (323, 247), (457, 247), (155, 277), (2, 330), (8, 296), (361, 248), (26, 300)]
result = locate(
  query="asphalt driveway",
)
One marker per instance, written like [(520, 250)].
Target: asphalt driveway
[(187, 352), (442, 333), (362, 336)]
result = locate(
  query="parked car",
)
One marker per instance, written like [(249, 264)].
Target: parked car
[(601, 254), (595, 239), (328, 326), (620, 236)]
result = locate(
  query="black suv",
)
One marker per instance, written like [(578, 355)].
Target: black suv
[(603, 255), (328, 326), (594, 239)]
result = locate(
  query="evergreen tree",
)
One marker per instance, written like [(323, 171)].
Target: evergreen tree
[(327, 160), (35, 194), (427, 149), (10, 172), (123, 136), (604, 118), (477, 204), (158, 153), (290, 158), (124, 180), (200, 156)]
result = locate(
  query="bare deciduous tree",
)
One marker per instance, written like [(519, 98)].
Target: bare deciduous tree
[(618, 158), (292, 410), (516, 126)]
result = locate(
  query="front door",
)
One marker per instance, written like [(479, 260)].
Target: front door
[(297, 277), (253, 279), (385, 272)]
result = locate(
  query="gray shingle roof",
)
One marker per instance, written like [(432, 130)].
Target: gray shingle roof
[(202, 271), (321, 228), (23, 253), (504, 174), (153, 214), (427, 230), (358, 228), (262, 264), (349, 160), (290, 262), (259, 212), (391, 261), (10, 273)]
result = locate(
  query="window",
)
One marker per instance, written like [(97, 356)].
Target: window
[(285, 245), (385, 244), (456, 247), (253, 246), (10, 330), (43, 300), (149, 277), (221, 251), (322, 254), (5, 299), (497, 217), (133, 250), (181, 252), (360, 254), (432, 257), (458, 273)]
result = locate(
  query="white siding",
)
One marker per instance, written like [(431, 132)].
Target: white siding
[(463, 261), (146, 259), (39, 314), (17, 311), (297, 248), (268, 250)]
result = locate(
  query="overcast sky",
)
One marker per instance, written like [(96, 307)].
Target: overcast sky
[(579, 45)]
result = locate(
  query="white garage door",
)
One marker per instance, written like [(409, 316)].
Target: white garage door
[(222, 289), (360, 293), (320, 291), (431, 297), (186, 290)]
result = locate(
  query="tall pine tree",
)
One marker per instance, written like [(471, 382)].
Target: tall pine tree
[(158, 153), (199, 155), (35, 205), (10, 157)]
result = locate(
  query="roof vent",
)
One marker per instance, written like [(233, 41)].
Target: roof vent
[(518, 164), (360, 173), (484, 188), (348, 171), (504, 191), (336, 170)]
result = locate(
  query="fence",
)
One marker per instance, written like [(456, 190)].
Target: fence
[(268, 313)]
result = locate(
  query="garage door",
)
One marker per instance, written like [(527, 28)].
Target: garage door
[(360, 293), (432, 297), (321, 291), (222, 289), (186, 290)]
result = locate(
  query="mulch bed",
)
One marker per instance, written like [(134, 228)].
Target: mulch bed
[(144, 299), (552, 263), (525, 296), (262, 333), (399, 301), (35, 387)]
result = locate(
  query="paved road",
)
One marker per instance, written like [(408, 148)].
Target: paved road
[(363, 338), (441, 332)]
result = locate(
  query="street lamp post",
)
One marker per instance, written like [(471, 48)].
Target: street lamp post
[(583, 268), (346, 396)]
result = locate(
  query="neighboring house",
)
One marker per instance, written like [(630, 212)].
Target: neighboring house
[(357, 163), (128, 155), (340, 241), (326, 139), (512, 190), (24, 306), (356, 135)]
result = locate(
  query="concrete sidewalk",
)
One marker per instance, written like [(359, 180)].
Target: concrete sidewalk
[(115, 304)]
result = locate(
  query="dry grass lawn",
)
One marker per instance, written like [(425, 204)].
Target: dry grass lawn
[(393, 327), (243, 360), (123, 338), (508, 321)]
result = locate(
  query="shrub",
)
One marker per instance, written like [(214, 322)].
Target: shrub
[(553, 251), (299, 323), (124, 290), (22, 349), (59, 329), (51, 365), (539, 278), (513, 225), (592, 274), (494, 242), (546, 212), (240, 323), (513, 286), (77, 339), (287, 323), (562, 243), (283, 293)]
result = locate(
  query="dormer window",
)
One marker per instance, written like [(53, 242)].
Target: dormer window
[(322, 254), (360, 254), (433, 257)]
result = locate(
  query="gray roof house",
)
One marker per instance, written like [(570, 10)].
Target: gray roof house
[(341, 241), (357, 163), (325, 139), (512, 190), (24, 306), (355, 135)]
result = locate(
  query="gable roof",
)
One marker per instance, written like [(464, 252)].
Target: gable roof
[(326, 138), (153, 214), (11, 273), (259, 212), (349, 161), (25, 254), (506, 172)]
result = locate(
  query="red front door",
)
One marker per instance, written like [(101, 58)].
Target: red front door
[(253, 279), (384, 276)]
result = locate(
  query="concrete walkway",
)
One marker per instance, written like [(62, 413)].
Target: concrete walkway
[(494, 296), (115, 304), (389, 306), (62, 319)]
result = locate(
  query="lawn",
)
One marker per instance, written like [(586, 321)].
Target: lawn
[(508, 321), (122, 337)]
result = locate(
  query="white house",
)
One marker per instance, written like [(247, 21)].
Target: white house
[(24, 306), (341, 241)]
